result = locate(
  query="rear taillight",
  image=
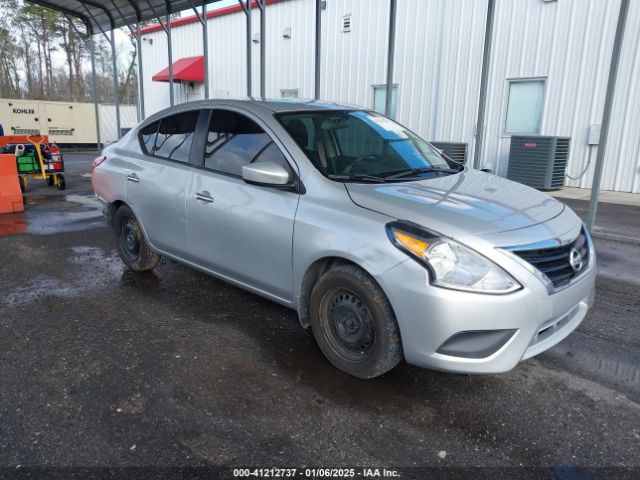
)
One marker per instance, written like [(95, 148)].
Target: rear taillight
[(97, 162)]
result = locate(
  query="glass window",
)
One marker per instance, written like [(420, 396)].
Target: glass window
[(524, 110), (357, 143), (148, 136), (380, 96), (173, 138), (233, 141)]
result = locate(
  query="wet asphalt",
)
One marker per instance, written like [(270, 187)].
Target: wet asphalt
[(101, 366)]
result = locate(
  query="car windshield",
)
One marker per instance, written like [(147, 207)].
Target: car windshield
[(364, 146)]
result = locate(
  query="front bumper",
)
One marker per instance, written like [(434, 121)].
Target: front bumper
[(428, 316)]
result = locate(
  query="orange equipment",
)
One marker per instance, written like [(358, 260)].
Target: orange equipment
[(10, 194)]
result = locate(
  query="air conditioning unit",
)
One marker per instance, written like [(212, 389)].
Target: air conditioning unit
[(456, 151), (539, 161)]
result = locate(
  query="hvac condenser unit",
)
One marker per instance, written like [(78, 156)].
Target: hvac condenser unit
[(539, 161), (456, 151)]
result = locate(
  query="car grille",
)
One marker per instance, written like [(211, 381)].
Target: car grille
[(555, 262)]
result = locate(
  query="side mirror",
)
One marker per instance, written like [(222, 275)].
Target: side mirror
[(267, 174)]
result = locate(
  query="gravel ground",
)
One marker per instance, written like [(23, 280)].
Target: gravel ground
[(103, 367)]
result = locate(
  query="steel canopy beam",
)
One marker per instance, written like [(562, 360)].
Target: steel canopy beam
[(606, 115), (246, 7), (170, 54), (112, 41), (202, 17), (66, 11), (263, 52), (484, 82), (316, 82), (87, 38), (390, 56), (141, 114)]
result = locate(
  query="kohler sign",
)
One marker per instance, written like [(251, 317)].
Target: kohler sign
[(25, 111)]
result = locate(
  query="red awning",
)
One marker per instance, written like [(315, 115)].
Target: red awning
[(189, 69)]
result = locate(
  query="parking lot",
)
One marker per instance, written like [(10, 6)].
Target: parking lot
[(105, 367)]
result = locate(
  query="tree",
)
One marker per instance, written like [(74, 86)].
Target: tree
[(30, 67)]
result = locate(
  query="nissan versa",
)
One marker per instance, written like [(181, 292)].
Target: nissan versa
[(385, 247)]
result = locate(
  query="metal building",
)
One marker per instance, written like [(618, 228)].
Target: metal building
[(548, 68)]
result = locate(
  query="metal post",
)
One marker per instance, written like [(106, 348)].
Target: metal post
[(94, 91), (205, 48), (606, 115), (136, 34), (316, 87), (484, 81), (202, 17), (390, 56), (246, 6), (263, 52), (140, 79), (170, 54), (116, 93)]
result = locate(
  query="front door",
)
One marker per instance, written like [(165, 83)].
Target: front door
[(241, 231)]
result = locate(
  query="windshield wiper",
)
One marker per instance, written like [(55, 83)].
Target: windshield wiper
[(418, 171), (358, 178)]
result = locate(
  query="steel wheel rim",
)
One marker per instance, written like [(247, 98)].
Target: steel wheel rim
[(130, 239), (347, 325)]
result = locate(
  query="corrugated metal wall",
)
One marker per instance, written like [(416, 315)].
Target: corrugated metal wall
[(108, 124), (569, 44), (622, 164), (437, 69)]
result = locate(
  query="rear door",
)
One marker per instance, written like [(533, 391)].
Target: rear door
[(157, 181), (241, 231)]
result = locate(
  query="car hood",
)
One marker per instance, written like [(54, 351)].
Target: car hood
[(467, 203)]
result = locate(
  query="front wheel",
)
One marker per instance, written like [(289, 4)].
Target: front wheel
[(354, 324), (132, 246)]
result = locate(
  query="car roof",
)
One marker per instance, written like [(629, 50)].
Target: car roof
[(257, 106)]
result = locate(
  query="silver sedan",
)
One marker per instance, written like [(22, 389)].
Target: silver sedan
[(386, 248)]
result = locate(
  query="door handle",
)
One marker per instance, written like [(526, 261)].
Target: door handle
[(132, 177), (204, 196)]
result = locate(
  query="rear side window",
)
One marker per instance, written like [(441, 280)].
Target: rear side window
[(148, 136), (171, 137), (235, 140)]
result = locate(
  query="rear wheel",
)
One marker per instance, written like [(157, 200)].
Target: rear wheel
[(354, 324), (62, 184), (132, 246), (23, 183), (50, 180)]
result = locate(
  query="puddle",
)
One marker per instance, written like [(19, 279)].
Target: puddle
[(48, 214), (93, 268)]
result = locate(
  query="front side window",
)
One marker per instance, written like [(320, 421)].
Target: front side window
[(524, 108), (357, 143), (235, 140), (171, 137)]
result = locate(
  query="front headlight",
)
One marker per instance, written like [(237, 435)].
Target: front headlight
[(450, 264)]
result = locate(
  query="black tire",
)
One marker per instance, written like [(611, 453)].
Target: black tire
[(354, 324), (23, 183), (132, 246), (62, 184), (50, 181)]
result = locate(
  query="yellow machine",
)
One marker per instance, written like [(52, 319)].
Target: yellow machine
[(40, 164)]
